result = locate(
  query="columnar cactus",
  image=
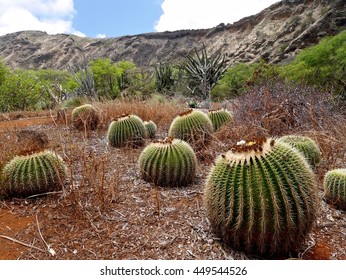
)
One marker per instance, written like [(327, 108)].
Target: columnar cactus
[(261, 197), (334, 185), (170, 162), (34, 174), (151, 128), (192, 126), (219, 117), (85, 117), (305, 145), (127, 131)]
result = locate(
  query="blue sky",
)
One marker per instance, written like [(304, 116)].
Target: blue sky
[(113, 18)]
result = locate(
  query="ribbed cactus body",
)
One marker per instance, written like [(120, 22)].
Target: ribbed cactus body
[(171, 162), (192, 126), (151, 128), (127, 131), (85, 117), (334, 185), (34, 174), (219, 118), (261, 197), (305, 145)]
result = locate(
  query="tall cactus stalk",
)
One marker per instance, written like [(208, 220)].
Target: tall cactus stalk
[(34, 174), (261, 197), (170, 162)]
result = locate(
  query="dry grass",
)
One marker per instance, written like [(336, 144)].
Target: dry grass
[(106, 211)]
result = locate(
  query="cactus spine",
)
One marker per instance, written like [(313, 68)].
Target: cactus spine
[(261, 197), (151, 128), (85, 117), (127, 131), (170, 162), (306, 146), (192, 126), (219, 117), (33, 174), (334, 185)]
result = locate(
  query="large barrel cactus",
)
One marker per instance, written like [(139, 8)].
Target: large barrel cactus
[(127, 131), (34, 174), (334, 185), (170, 162), (151, 128), (261, 197), (219, 118), (85, 117), (192, 126), (305, 145)]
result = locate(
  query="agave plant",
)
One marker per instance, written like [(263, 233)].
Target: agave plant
[(34, 174), (169, 162), (127, 130), (261, 197)]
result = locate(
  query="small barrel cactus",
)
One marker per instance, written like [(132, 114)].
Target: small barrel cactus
[(261, 197), (34, 174), (85, 117), (334, 185), (192, 126), (151, 128), (305, 145), (127, 131), (170, 162), (219, 117)]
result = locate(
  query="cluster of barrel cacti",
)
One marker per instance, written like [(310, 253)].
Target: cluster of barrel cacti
[(261, 197), (170, 162), (33, 174), (192, 126), (85, 117)]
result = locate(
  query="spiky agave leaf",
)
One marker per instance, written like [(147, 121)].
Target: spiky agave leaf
[(126, 131), (169, 162), (219, 117), (85, 117), (192, 126), (34, 174), (334, 185), (261, 197)]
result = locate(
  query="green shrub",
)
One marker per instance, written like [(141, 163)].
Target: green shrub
[(261, 197), (127, 131), (334, 185), (34, 174), (171, 162)]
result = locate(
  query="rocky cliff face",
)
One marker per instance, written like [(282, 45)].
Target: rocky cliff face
[(275, 34)]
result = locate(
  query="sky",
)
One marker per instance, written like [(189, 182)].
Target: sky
[(114, 18)]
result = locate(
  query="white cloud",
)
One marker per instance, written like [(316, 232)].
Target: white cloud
[(101, 36), (52, 16), (194, 14)]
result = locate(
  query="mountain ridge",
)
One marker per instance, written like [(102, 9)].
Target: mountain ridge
[(275, 35)]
